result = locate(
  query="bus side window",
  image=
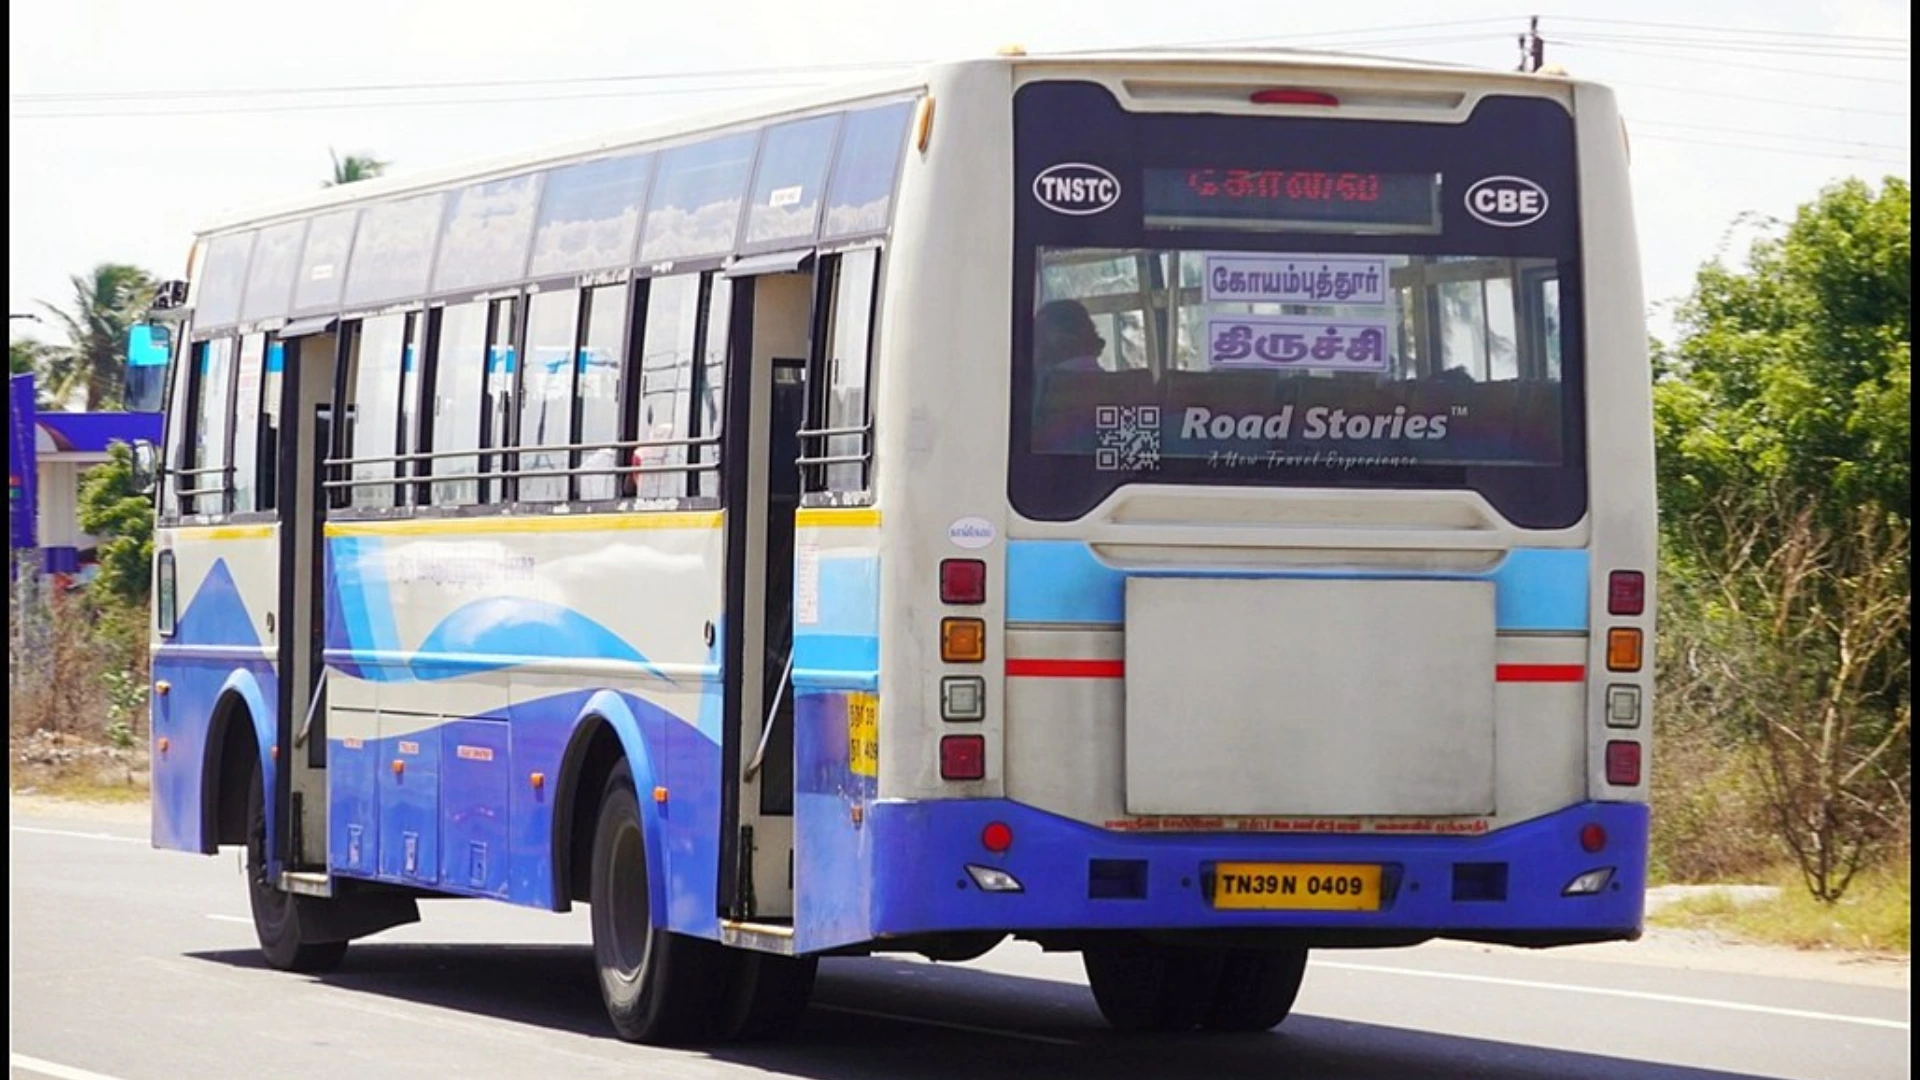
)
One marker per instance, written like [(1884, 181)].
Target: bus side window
[(848, 363), (207, 476), (179, 417), (248, 382)]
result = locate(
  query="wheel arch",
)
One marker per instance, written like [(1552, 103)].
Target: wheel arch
[(239, 736), (605, 733)]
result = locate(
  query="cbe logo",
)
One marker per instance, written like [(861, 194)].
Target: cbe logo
[(1076, 188), (1507, 202)]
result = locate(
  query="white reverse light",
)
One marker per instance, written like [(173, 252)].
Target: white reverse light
[(1589, 883), (992, 879)]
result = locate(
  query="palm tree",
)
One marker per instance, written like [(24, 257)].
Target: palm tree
[(106, 303), (353, 167)]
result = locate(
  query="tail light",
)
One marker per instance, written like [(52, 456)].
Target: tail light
[(1626, 592), (1623, 763), (1623, 649), (1289, 95), (997, 837), (963, 641), (963, 757), (963, 581)]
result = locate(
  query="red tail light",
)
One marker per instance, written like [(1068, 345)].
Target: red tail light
[(963, 581), (1623, 763), (1626, 592), (997, 837), (963, 757), (1286, 95)]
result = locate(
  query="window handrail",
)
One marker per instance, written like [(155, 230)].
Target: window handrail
[(506, 474), (546, 448)]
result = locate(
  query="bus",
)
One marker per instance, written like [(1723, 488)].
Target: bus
[(1186, 508)]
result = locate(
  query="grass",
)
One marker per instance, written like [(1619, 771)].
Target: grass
[(1875, 915), (76, 788)]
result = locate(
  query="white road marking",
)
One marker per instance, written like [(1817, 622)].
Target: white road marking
[(242, 919), (79, 835), (1638, 995), (57, 1071), (974, 1028)]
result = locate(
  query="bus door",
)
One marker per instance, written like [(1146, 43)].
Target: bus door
[(771, 336), (308, 353)]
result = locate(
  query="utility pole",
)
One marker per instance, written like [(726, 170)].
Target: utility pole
[(1533, 49)]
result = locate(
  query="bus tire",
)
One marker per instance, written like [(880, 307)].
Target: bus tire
[(277, 913), (659, 987), (1142, 986), (768, 994), (1256, 989)]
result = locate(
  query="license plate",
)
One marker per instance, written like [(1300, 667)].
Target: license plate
[(1296, 887)]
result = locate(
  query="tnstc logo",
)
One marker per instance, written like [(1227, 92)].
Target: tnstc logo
[(1507, 202), (1076, 188)]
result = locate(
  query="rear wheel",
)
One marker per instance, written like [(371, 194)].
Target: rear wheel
[(1255, 990), (276, 913), (1142, 986), (659, 987)]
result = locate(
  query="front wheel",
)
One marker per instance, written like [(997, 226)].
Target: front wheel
[(276, 913), (659, 987)]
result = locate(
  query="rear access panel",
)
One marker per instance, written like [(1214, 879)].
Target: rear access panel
[(1309, 696)]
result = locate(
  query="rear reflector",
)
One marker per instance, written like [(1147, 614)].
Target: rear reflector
[(1626, 592), (963, 641), (963, 581), (1623, 649), (997, 837), (1593, 837), (1623, 763), (964, 757)]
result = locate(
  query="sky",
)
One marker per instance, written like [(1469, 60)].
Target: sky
[(132, 123)]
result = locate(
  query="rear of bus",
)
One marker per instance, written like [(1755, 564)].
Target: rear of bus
[(1293, 421)]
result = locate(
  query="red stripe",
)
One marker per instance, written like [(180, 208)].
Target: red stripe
[(1114, 669), (1539, 672), (1068, 669)]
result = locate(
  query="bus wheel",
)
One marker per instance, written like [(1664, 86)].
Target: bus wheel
[(1256, 989), (1142, 986), (659, 987), (768, 994), (276, 913)]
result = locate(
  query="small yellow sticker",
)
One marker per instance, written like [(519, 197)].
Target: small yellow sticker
[(863, 734)]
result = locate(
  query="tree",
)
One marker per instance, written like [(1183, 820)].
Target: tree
[(113, 510), (354, 168), (1797, 370), (1785, 450), (106, 303)]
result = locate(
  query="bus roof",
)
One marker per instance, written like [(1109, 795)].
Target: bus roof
[(909, 79)]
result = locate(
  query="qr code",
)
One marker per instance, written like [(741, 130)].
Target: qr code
[(1128, 437)]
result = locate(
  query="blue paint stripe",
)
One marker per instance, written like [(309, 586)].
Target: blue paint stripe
[(806, 680), (1063, 581), (836, 652)]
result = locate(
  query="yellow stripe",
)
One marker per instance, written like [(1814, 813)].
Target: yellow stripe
[(472, 526), (223, 532), (824, 517)]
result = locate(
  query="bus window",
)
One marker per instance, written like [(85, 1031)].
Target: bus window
[(269, 456), (861, 192), (849, 340), (246, 422), (546, 395), (503, 368), (213, 427), (373, 417), (323, 262), (601, 349), (487, 233), (179, 416), (713, 382), (695, 206), (394, 252), (270, 276), (460, 370), (412, 359), (666, 382), (216, 302), (786, 191), (589, 215)]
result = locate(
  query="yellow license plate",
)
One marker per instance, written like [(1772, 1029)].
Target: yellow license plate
[(1296, 887)]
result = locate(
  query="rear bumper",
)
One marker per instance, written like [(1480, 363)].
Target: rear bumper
[(1159, 882)]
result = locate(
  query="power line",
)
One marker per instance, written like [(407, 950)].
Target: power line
[(1759, 99), (1446, 24), (1850, 52), (477, 84), (1720, 29), (1769, 68), (345, 106), (1716, 129), (1768, 149)]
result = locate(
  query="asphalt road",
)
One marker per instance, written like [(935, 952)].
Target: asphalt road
[(130, 964)]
